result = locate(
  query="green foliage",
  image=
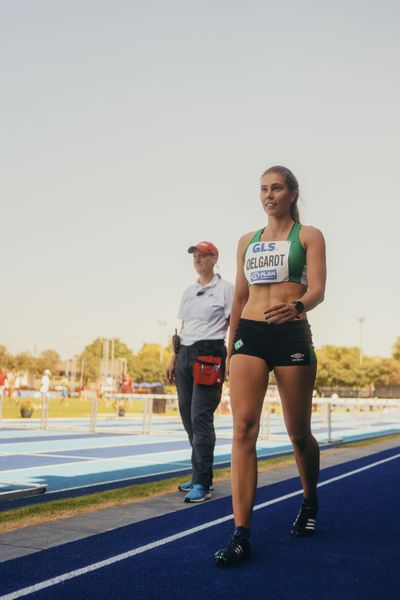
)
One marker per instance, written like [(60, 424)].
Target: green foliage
[(396, 349), (48, 359), (151, 363), (5, 358), (339, 366), (383, 371), (93, 354), (24, 361)]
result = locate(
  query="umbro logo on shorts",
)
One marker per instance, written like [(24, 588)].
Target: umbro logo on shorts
[(297, 357), (239, 344)]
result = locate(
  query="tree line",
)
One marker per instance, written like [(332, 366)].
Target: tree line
[(338, 366), (341, 367)]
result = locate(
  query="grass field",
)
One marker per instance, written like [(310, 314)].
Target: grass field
[(72, 408)]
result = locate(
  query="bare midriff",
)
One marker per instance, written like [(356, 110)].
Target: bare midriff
[(265, 295)]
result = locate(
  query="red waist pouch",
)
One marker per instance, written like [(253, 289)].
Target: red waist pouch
[(207, 370)]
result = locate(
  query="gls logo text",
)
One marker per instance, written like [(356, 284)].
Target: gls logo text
[(264, 246)]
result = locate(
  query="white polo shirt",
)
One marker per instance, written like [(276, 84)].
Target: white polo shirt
[(205, 311), (44, 388)]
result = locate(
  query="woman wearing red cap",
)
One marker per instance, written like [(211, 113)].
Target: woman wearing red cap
[(199, 365), (281, 276)]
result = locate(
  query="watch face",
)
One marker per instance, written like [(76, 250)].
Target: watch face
[(299, 306)]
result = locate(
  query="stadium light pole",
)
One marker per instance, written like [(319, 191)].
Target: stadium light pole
[(361, 321), (162, 324)]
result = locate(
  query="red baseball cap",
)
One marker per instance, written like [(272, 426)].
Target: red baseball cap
[(204, 248)]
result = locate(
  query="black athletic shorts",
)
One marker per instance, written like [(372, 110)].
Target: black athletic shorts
[(287, 344)]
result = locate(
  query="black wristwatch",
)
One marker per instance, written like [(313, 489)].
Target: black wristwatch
[(299, 306)]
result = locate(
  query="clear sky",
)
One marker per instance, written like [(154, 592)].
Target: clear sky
[(131, 130)]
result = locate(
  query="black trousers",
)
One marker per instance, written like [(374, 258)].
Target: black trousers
[(197, 404)]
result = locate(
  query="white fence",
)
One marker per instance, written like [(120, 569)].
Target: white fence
[(338, 417), (333, 415)]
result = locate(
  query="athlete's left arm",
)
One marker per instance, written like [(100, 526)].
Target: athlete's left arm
[(314, 244)]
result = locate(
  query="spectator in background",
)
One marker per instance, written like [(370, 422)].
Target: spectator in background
[(9, 383), (126, 386), (45, 384), (3, 379)]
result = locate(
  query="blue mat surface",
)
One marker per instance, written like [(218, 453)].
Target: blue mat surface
[(8, 463), (354, 555), (131, 450), (71, 463)]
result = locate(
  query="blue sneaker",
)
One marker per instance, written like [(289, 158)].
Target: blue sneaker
[(198, 493), (187, 486)]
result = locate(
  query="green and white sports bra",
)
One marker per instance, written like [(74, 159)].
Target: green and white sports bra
[(275, 261)]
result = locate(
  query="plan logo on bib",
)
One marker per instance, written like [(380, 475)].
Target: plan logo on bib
[(269, 275)]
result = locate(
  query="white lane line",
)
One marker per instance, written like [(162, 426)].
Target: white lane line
[(140, 458), (49, 455), (69, 456), (172, 538), (76, 463), (90, 446), (73, 457)]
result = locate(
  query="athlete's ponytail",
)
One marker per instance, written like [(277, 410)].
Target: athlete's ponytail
[(292, 185), (294, 211)]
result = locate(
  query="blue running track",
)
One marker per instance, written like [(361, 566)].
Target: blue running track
[(354, 556)]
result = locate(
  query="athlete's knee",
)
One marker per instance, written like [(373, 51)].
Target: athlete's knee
[(245, 431), (300, 439)]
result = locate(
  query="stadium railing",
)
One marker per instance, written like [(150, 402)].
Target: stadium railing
[(331, 416)]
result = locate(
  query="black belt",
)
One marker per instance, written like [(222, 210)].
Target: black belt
[(209, 343)]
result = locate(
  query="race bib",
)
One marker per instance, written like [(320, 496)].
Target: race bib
[(267, 262)]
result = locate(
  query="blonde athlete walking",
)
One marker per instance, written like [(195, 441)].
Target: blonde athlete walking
[(281, 274)]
